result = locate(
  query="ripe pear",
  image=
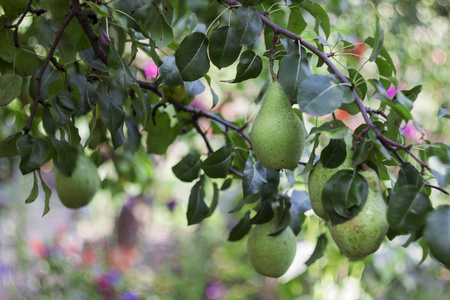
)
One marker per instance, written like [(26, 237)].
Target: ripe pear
[(271, 256), (363, 234), (277, 133), (320, 175), (78, 190)]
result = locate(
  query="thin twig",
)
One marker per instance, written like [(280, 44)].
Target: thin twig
[(16, 26), (210, 149), (38, 99), (203, 134), (201, 113), (84, 23), (386, 142), (436, 188)]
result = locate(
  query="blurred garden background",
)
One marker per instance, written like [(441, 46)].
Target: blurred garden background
[(133, 242)]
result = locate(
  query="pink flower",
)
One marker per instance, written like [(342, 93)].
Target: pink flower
[(411, 133), (38, 248), (391, 92), (151, 70)]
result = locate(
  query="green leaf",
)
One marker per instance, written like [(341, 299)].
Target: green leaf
[(8, 145), (385, 70), (218, 163), (293, 70), (361, 152), (296, 22), (413, 93), (321, 95), (192, 57), (119, 71), (335, 129), (248, 25), (60, 114), (403, 100), (310, 164), (408, 175), (253, 180), (112, 114), (223, 49), (100, 10), (68, 100), (402, 111), (408, 209), (26, 62), (437, 234), (241, 229), (226, 184), (197, 208), (215, 199), (319, 250), (249, 66), (360, 84), (161, 135), (384, 53), (188, 168), (344, 195), (33, 151), (65, 156), (50, 76), (273, 179), (34, 191), (88, 56), (320, 15), (160, 30), (333, 155), (284, 213), (170, 75), (378, 41), (11, 85), (214, 95), (265, 212), (193, 88), (48, 194), (7, 48)]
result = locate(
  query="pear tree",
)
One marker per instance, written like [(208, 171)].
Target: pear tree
[(74, 95)]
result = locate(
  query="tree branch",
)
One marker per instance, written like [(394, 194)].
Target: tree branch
[(49, 57), (365, 111), (201, 113), (16, 26), (84, 23)]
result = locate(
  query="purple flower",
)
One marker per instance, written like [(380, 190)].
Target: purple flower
[(171, 205), (128, 295), (214, 291)]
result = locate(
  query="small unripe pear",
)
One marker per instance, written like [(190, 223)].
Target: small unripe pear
[(363, 234), (271, 256), (320, 175), (78, 190), (277, 134)]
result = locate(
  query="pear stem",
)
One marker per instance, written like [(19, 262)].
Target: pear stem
[(389, 144), (272, 55)]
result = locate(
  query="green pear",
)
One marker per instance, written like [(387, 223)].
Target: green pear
[(363, 234), (277, 133), (271, 256), (320, 175), (78, 190)]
